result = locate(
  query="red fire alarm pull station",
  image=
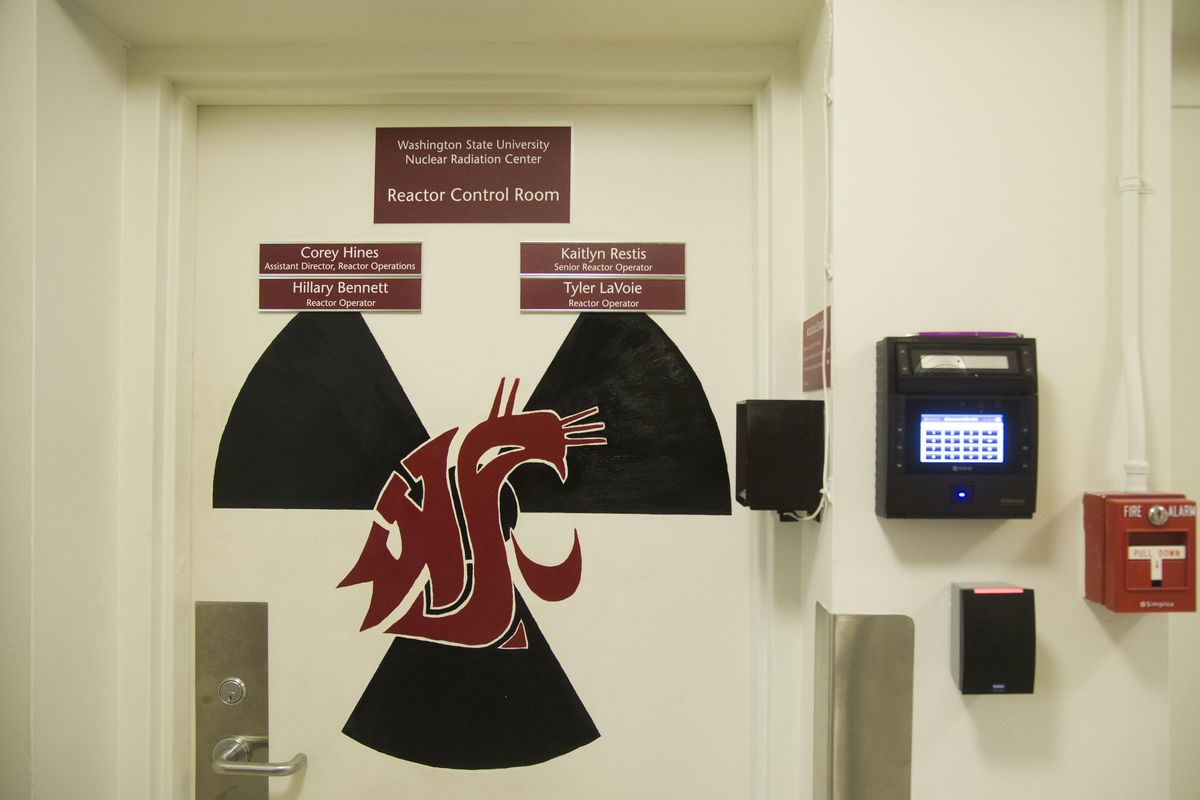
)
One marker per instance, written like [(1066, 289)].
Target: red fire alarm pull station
[(1140, 551)]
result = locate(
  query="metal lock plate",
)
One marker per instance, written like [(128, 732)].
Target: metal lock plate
[(231, 692)]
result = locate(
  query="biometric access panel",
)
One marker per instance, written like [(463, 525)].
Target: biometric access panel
[(956, 427)]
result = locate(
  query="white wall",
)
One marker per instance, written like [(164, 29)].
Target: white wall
[(17, 105), (975, 165), (803, 565), (1185, 334), (974, 143), (66, 313)]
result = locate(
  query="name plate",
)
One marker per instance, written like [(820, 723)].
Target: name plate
[(602, 276), (339, 277)]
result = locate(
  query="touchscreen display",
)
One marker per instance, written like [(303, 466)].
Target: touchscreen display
[(962, 438)]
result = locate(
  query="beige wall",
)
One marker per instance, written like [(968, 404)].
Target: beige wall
[(975, 170), (804, 574), (971, 148), (17, 105), (1185, 384), (61, 222)]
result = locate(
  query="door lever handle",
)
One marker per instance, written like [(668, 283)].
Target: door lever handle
[(231, 756)]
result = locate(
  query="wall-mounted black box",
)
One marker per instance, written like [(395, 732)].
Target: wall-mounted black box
[(780, 454), (956, 427), (993, 638)]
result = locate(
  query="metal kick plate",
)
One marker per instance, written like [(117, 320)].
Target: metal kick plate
[(862, 737), (231, 644)]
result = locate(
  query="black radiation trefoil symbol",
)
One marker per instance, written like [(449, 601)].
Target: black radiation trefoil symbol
[(322, 422)]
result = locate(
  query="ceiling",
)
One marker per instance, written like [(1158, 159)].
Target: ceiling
[(139, 22)]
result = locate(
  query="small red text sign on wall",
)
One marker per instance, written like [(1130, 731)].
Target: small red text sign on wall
[(497, 174), (339, 277), (816, 375), (602, 276)]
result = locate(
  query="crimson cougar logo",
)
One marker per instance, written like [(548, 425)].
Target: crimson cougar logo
[(618, 424), (468, 598)]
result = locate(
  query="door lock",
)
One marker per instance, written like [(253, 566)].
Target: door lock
[(232, 691)]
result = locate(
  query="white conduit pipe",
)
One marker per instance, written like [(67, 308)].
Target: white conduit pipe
[(1130, 185)]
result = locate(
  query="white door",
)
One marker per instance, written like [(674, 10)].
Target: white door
[(638, 681)]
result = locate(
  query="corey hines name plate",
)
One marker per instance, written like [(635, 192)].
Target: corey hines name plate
[(602, 276), (339, 277), (499, 174)]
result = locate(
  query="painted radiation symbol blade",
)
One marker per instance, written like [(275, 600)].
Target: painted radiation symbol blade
[(664, 453), (472, 708), (321, 421)]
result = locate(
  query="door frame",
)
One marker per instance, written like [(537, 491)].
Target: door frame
[(165, 88)]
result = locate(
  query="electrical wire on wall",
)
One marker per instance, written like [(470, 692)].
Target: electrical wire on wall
[(827, 273)]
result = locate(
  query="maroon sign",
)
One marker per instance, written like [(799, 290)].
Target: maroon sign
[(336, 294), (497, 174), (602, 276), (815, 340), (339, 277), (609, 258), (343, 260)]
